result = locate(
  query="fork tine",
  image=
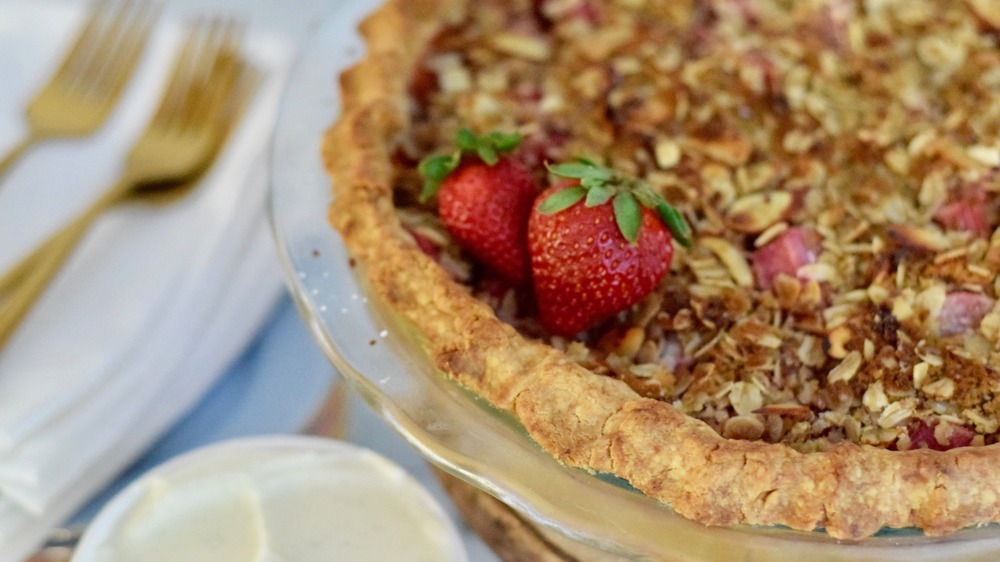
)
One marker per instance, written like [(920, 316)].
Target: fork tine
[(239, 96), (111, 23), (61, 107), (197, 70), (122, 61), (82, 44), (215, 73), (118, 51), (177, 82), (209, 88), (198, 73), (206, 63)]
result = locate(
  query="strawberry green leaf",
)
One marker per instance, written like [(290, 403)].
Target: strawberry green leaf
[(487, 147), (581, 170), (561, 200), (503, 142), (437, 167), (429, 190), (676, 223), (649, 198), (466, 140), (570, 170), (628, 215), (487, 154), (597, 195), (593, 183), (434, 169), (628, 196)]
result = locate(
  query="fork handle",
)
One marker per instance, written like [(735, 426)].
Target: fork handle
[(14, 153), (68, 234), (19, 301), (21, 286)]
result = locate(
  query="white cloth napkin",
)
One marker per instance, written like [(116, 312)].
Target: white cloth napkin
[(151, 308)]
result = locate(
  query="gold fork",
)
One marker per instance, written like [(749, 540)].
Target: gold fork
[(89, 81), (209, 86)]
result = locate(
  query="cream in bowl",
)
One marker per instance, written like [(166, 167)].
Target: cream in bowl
[(274, 499)]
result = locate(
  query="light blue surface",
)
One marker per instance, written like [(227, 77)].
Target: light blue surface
[(275, 387)]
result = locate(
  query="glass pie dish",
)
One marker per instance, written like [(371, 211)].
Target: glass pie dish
[(451, 427)]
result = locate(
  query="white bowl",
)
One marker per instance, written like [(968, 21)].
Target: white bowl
[(281, 498)]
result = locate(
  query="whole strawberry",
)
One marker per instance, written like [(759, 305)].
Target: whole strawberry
[(484, 199), (599, 243)]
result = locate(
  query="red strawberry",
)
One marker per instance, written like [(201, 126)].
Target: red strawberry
[(597, 246), (484, 200)]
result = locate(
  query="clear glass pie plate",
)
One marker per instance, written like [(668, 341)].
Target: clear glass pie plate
[(451, 427)]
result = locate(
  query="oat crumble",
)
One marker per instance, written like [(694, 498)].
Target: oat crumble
[(838, 161)]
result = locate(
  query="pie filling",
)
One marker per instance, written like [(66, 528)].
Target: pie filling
[(837, 161)]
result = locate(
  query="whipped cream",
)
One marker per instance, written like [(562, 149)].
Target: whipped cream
[(293, 499)]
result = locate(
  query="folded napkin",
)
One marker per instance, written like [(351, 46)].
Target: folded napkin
[(151, 308)]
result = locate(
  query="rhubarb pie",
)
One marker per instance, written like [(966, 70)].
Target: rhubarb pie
[(742, 254)]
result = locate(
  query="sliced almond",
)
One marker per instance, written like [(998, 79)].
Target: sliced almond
[(954, 153), (989, 326), (601, 43), (985, 155), (755, 212), (453, 76), (983, 424), (787, 290), (942, 389), (785, 410), (875, 399), (770, 341), (731, 150), (847, 368), (838, 338), (987, 10), (745, 397), (924, 239), (868, 349), (630, 343), (810, 351), (896, 413), (812, 294), (770, 234), (667, 153), (732, 258), (522, 46)]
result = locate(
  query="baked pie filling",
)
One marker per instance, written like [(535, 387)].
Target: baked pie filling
[(838, 164)]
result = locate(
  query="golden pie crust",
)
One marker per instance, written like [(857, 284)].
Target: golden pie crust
[(591, 421)]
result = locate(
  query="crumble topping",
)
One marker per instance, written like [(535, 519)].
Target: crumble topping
[(838, 162)]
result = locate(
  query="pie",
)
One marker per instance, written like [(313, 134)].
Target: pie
[(825, 353)]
